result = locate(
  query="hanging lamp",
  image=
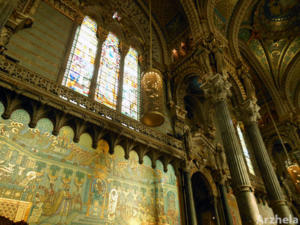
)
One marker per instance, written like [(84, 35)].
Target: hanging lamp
[(152, 90), (292, 167)]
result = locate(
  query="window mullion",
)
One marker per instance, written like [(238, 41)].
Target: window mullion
[(123, 50), (101, 39), (72, 36)]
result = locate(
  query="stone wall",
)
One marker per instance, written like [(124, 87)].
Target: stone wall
[(42, 47)]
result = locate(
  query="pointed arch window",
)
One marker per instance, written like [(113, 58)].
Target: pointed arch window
[(108, 75), (80, 66), (245, 150), (131, 81)]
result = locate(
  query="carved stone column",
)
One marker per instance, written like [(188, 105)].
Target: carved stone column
[(101, 35), (220, 176), (178, 115), (6, 9), (217, 88), (189, 198), (124, 50), (276, 197)]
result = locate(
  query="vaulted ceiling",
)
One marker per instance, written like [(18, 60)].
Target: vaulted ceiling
[(270, 31)]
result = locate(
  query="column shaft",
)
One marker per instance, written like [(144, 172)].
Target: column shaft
[(238, 170), (121, 79), (228, 216), (272, 185), (191, 213)]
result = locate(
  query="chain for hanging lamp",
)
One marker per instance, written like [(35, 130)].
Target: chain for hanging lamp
[(152, 89), (292, 167)]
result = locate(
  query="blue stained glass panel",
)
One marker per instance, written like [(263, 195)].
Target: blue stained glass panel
[(80, 66)]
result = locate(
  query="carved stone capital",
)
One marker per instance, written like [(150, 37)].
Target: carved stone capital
[(180, 112), (211, 43), (124, 48), (216, 87), (101, 34), (250, 111)]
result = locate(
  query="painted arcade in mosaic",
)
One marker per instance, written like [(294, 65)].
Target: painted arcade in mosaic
[(69, 183)]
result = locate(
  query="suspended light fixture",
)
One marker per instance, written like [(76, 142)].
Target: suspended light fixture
[(152, 90), (292, 167)]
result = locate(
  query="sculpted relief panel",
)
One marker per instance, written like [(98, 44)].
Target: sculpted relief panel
[(72, 183)]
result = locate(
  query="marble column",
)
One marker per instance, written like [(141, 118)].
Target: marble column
[(278, 203), (189, 198), (217, 88), (123, 51), (228, 216), (101, 36)]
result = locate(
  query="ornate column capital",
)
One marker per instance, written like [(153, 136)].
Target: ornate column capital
[(124, 48), (101, 34), (250, 111), (216, 87)]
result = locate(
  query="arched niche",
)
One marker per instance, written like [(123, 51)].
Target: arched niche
[(203, 200)]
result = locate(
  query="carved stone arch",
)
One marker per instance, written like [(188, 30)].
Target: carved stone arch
[(11, 102), (117, 30), (208, 178), (288, 79), (206, 14), (193, 18), (96, 133), (37, 111), (179, 84), (59, 120), (239, 12), (236, 91), (266, 81)]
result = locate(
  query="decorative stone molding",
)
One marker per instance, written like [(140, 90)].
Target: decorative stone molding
[(21, 18), (193, 17), (14, 75), (66, 7), (217, 87), (250, 111)]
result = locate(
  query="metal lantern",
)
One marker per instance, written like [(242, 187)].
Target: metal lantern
[(294, 171), (152, 98)]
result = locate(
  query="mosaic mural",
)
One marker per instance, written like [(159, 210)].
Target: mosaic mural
[(72, 183), (259, 52)]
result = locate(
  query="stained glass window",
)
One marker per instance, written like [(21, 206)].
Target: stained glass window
[(80, 66), (245, 150), (108, 75), (130, 96)]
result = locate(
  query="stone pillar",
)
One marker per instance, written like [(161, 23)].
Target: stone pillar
[(6, 9), (123, 50), (189, 198), (216, 88), (101, 35), (228, 216), (276, 197)]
